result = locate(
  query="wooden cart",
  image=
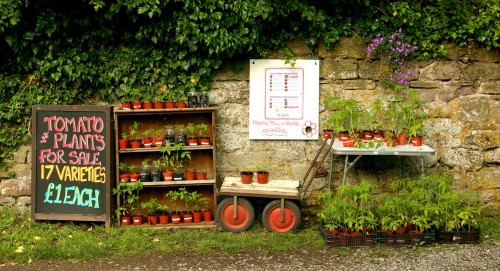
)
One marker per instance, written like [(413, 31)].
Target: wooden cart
[(281, 213)]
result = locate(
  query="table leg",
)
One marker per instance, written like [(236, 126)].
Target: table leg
[(345, 168)]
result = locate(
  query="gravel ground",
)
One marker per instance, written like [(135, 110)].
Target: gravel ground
[(441, 257)]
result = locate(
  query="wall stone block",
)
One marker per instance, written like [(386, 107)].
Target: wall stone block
[(490, 88), (440, 70), (462, 158), (15, 188), (492, 156), (482, 71), (347, 47), (338, 68)]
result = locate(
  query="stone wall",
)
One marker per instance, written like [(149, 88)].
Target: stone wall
[(462, 94)]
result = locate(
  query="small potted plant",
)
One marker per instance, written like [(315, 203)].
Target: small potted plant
[(262, 174), (158, 137), (152, 205), (169, 135), (190, 174), (124, 174), (133, 201), (123, 141), (147, 140), (145, 171), (175, 197), (182, 101), (134, 175), (158, 102), (163, 217), (344, 118), (207, 214), (180, 136), (134, 141), (169, 97), (156, 173), (136, 95), (202, 133), (201, 174), (194, 198), (246, 176), (124, 94), (192, 140), (174, 157), (147, 99), (123, 190)]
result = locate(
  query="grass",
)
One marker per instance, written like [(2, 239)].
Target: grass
[(24, 241)]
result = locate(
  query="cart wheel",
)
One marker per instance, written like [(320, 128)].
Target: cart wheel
[(271, 216), (245, 214)]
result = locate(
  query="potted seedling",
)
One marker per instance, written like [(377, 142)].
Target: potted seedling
[(181, 101), (136, 95), (124, 174), (122, 191), (134, 141), (180, 137), (145, 171), (194, 198), (169, 97), (152, 205), (173, 158), (175, 197), (344, 118), (187, 198), (133, 201), (202, 133), (124, 94), (147, 140), (192, 140), (190, 174), (156, 175), (158, 102), (207, 214), (134, 175), (123, 141), (246, 176), (147, 98), (201, 174), (169, 135), (158, 137), (262, 174), (163, 217)]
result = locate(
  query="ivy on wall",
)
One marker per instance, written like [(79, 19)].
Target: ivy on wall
[(83, 52)]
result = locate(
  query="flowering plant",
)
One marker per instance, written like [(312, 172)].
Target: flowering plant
[(397, 53)]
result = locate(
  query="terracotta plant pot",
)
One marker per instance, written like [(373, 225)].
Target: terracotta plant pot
[(137, 105), (124, 177), (158, 141), (181, 105), (125, 220), (348, 142), (343, 136), (262, 176), (148, 142), (416, 141), (135, 143), (176, 219), (192, 141), (190, 175), (168, 175), (207, 216), (158, 105), (163, 219), (205, 140), (152, 219), (197, 216), (137, 220), (201, 175), (123, 143), (126, 106), (246, 177), (147, 105), (134, 177), (169, 105), (367, 135), (402, 139), (391, 142), (377, 138), (327, 133), (187, 218)]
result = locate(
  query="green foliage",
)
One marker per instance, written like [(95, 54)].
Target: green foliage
[(100, 51)]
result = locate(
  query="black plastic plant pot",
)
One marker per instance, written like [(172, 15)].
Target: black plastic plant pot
[(156, 174), (178, 176), (145, 174), (203, 100)]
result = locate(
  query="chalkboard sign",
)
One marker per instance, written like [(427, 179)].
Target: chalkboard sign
[(71, 168)]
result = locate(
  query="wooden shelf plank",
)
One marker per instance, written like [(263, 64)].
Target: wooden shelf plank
[(232, 186), (155, 149), (178, 183), (192, 225)]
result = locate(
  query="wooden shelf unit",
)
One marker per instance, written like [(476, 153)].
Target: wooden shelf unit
[(202, 156)]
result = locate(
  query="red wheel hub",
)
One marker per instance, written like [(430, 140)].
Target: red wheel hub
[(242, 216), (273, 219)]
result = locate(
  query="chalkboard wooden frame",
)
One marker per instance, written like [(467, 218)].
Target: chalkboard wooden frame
[(82, 206)]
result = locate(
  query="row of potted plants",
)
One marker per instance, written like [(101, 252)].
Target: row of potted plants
[(136, 98), (128, 212), (167, 136), (412, 212), (262, 174), (390, 122)]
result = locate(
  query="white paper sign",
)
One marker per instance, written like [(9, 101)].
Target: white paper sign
[(284, 99)]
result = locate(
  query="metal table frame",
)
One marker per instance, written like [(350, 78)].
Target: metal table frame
[(406, 150)]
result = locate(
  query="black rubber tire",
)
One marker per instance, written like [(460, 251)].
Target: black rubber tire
[(291, 220), (245, 217)]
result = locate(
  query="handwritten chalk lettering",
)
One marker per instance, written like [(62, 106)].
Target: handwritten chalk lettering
[(84, 158), (49, 156), (72, 196), (74, 174), (89, 141), (80, 125)]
